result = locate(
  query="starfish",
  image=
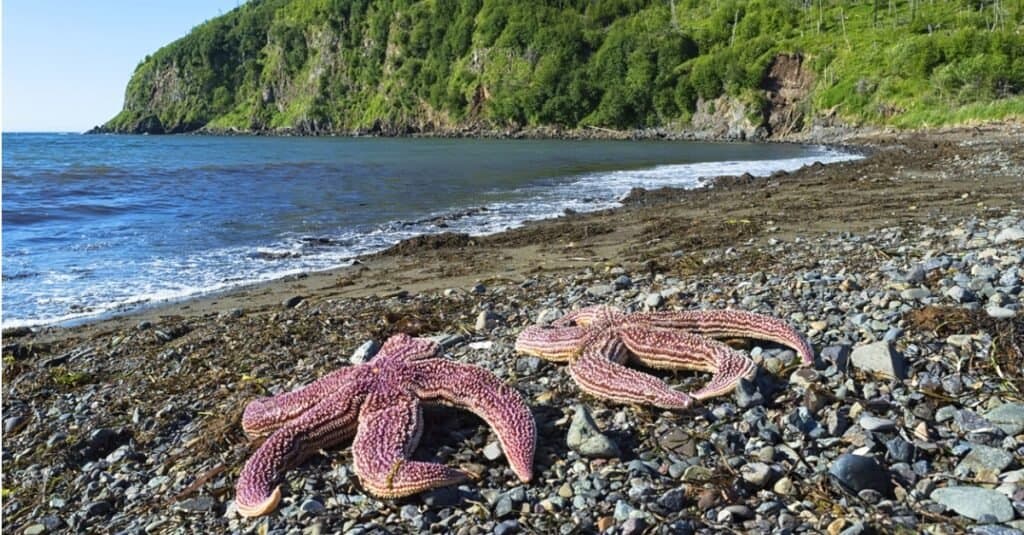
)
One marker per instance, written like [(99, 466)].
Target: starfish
[(379, 403), (597, 342)]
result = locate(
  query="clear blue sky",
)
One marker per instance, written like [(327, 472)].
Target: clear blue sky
[(66, 63)]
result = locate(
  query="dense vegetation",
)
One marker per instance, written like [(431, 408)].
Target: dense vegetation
[(394, 65)]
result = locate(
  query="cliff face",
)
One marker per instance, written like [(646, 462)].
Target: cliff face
[(736, 70)]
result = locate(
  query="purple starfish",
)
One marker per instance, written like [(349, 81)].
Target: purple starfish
[(379, 403), (597, 341)]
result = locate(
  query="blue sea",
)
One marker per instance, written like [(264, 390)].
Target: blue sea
[(94, 225)]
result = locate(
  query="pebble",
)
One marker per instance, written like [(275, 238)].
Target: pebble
[(292, 301), (312, 507), (365, 352), (1009, 417), (975, 503), (507, 527), (879, 357), (983, 460), (1000, 313), (586, 438), (757, 474), (492, 451), (874, 423), (858, 472), (199, 504), (1009, 234)]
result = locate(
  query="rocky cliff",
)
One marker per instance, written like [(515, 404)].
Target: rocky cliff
[(728, 70)]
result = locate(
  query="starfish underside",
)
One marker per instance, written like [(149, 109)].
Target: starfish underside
[(599, 341), (379, 403)]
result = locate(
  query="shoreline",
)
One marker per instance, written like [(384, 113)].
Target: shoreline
[(152, 306), (910, 258)]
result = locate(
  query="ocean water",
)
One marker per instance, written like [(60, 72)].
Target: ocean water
[(98, 224)]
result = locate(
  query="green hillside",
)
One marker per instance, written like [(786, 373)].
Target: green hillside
[(398, 66)]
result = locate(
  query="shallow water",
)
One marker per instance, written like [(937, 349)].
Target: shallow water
[(99, 223)]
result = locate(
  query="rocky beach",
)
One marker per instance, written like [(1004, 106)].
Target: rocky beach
[(903, 269)]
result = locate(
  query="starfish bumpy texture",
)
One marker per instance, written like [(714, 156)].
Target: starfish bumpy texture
[(379, 403), (597, 342)]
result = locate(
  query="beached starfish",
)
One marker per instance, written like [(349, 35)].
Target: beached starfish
[(597, 341), (379, 403)]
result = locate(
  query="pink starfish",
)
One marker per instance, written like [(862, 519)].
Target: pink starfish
[(597, 341), (379, 403)]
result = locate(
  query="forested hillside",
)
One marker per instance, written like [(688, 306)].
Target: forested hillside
[(741, 68)]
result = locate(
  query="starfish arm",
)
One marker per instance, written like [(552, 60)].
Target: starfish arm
[(327, 423), (732, 323), (388, 433), (479, 391), (670, 349), (598, 373), (558, 344), (402, 347), (263, 416), (584, 316)]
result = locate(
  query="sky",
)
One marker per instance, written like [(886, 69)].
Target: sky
[(66, 63)]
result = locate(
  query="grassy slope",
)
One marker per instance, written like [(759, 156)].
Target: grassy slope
[(337, 65)]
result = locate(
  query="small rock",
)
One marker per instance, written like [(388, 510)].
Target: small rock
[(1009, 417), (292, 301), (13, 423), (600, 290), (1000, 313), (696, 474), (312, 507), (757, 474), (783, 487), (983, 459), (653, 300), (879, 357), (961, 295), (365, 352), (487, 320), (1009, 234), (493, 451), (975, 502), (857, 472), (199, 504), (98, 508), (673, 501), (586, 438), (915, 294), (874, 423), (633, 526), (507, 527)]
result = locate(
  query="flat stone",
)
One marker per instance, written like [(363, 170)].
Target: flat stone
[(961, 294), (879, 357), (199, 504), (508, 527), (1000, 313), (586, 438), (1009, 417), (975, 503), (983, 459), (1009, 234), (915, 294), (857, 472), (695, 474), (653, 300), (600, 290), (874, 423)]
